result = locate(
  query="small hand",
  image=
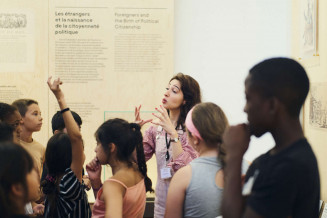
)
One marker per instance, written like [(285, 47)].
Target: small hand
[(237, 139), (164, 121), (94, 169), (87, 182), (38, 209), (138, 119), (55, 86)]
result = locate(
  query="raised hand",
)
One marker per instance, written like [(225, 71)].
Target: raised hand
[(164, 121), (55, 87), (138, 119)]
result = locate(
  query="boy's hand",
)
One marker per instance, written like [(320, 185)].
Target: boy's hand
[(237, 139), (55, 87)]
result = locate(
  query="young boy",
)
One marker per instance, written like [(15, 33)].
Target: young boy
[(31, 122), (284, 182)]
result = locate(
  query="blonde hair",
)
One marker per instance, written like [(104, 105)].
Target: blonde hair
[(211, 122)]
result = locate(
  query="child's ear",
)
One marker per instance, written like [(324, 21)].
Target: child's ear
[(17, 190), (56, 132), (112, 147), (195, 139)]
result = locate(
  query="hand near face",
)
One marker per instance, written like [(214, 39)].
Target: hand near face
[(94, 170), (164, 120), (138, 119), (237, 139)]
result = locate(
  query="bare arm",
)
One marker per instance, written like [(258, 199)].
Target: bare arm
[(94, 171), (176, 192), (113, 194), (236, 139), (72, 130)]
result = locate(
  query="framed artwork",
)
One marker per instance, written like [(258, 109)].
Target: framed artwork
[(308, 28), (318, 106)]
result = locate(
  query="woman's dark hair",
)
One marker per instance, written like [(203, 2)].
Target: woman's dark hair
[(58, 157), (15, 164), (6, 110), (192, 95), (127, 137), (211, 122)]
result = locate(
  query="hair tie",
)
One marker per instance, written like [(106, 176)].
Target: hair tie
[(134, 126), (190, 126), (50, 178)]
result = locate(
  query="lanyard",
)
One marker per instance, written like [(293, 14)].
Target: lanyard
[(167, 145)]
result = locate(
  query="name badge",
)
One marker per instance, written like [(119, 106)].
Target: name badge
[(247, 188), (165, 173)]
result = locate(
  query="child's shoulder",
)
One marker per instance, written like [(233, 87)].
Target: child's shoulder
[(128, 177)]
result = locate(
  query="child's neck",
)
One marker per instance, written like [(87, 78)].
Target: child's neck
[(116, 167), (26, 136), (208, 152)]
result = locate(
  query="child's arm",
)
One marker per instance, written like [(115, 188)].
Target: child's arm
[(177, 191), (72, 130), (94, 171), (113, 194)]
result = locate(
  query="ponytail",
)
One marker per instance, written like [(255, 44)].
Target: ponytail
[(50, 189), (138, 139), (58, 157)]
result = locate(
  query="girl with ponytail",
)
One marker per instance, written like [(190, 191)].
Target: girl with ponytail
[(196, 189), (122, 195)]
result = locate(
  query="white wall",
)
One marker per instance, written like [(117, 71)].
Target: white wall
[(217, 42)]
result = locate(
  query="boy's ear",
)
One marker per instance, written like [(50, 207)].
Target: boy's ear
[(274, 105), (17, 190)]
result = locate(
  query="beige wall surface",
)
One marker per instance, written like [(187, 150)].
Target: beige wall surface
[(111, 56), (315, 109)]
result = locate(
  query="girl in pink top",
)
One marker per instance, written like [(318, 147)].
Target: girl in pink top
[(123, 195), (167, 138)]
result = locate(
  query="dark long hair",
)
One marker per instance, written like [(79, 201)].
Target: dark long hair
[(192, 95), (58, 157), (127, 137), (15, 164)]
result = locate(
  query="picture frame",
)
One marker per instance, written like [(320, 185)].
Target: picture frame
[(309, 29)]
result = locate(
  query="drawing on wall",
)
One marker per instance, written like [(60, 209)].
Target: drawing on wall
[(14, 20), (318, 105), (308, 19)]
